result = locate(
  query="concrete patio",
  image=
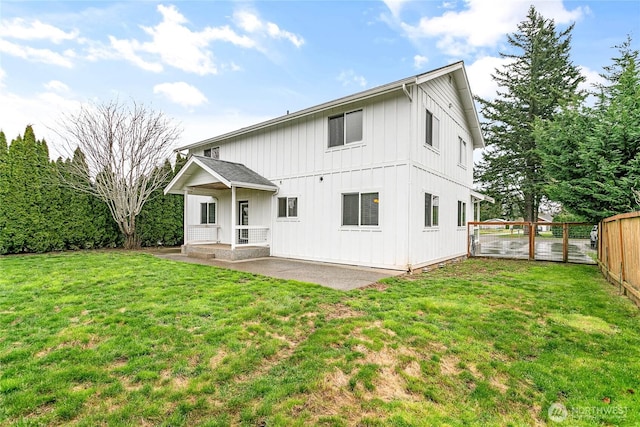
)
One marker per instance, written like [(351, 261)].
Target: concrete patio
[(335, 276)]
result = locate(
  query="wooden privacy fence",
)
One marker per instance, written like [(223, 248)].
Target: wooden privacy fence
[(544, 241), (619, 253)]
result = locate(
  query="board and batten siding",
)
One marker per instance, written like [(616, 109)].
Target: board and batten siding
[(392, 159), (295, 155)]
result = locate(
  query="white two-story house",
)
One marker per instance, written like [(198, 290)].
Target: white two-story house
[(381, 178)]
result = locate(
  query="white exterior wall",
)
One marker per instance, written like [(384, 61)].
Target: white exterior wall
[(437, 171), (295, 155), (392, 160)]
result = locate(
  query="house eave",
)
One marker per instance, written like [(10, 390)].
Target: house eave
[(400, 85)]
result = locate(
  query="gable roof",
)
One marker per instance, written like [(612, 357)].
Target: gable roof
[(226, 173), (457, 69)]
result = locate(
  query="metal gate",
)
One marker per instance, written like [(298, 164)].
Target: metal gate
[(574, 242)]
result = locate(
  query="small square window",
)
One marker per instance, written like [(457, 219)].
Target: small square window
[(287, 207), (208, 213), (214, 153)]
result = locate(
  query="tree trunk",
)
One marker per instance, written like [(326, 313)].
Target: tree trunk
[(131, 241)]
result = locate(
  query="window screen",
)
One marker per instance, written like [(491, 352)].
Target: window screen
[(462, 214), (350, 209), (292, 207), (354, 126), (427, 210), (203, 213), (282, 207), (435, 210), (336, 131), (369, 208), (429, 128)]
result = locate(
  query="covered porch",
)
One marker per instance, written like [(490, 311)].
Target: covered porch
[(227, 209)]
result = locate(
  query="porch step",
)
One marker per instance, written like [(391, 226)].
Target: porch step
[(224, 252)]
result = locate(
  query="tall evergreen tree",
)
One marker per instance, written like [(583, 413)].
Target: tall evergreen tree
[(538, 78), (4, 152), (592, 154)]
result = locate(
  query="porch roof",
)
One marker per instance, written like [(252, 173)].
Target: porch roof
[(218, 174)]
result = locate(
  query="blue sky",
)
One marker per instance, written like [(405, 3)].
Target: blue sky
[(215, 66)]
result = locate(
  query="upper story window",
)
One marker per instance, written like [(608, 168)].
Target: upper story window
[(287, 207), (360, 209), (345, 128), (214, 153), (208, 213), (462, 152), (432, 130)]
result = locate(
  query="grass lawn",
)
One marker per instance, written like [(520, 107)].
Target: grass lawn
[(115, 338)]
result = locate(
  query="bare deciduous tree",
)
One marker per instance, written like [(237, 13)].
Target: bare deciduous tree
[(124, 146)]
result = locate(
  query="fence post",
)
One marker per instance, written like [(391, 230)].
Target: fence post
[(532, 241), (565, 242), (623, 275)]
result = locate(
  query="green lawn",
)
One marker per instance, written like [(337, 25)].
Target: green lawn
[(115, 338)]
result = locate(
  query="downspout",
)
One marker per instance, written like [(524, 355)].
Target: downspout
[(410, 165), (406, 92)]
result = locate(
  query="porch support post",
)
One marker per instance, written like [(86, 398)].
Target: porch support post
[(185, 218), (233, 217)]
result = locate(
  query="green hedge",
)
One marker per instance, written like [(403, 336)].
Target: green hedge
[(38, 214)]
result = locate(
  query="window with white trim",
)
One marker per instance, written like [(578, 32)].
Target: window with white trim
[(360, 209), (213, 152), (432, 130), (462, 214), (287, 207), (208, 213), (431, 210), (462, 151), (345, 128)]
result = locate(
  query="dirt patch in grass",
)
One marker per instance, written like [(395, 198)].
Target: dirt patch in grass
[(498, 382), (216, 360), (339, 311), (449, 365), (334, 399), (376, 286)]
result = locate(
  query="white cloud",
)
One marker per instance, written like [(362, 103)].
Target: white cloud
[(42, 110), (174, 44), (45, 56), (419, 61), (349, 77), (181, 93), (483, 23), (395, 6), (250, 22), (56, 86), (126, 49), (2, 76), (18, 28), (593, 78), (479, 74)]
